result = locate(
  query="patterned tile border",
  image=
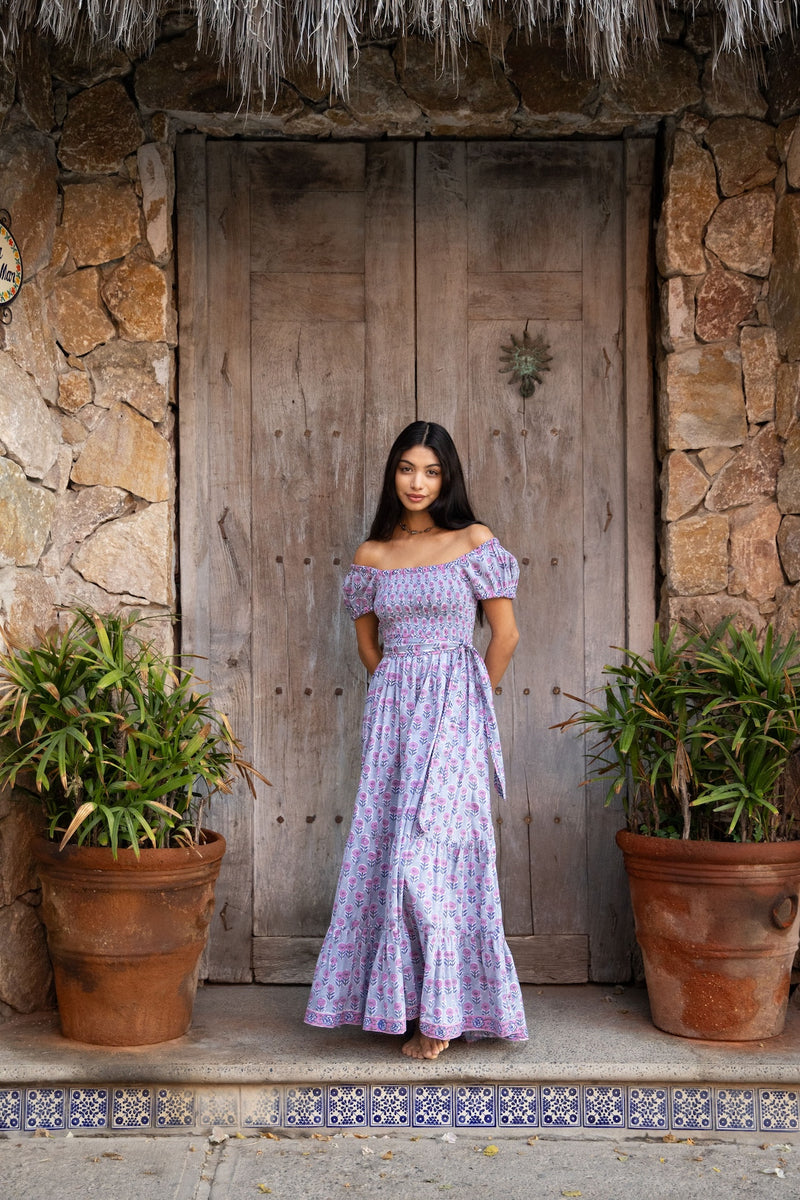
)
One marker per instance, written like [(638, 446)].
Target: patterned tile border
[(637, 1108)]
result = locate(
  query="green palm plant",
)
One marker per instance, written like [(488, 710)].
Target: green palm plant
[(111, 736), (697, 737)]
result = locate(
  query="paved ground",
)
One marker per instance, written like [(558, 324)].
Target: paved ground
[(400, 1167)]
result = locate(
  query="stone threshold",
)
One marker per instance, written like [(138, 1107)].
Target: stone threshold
[(593, 1061)]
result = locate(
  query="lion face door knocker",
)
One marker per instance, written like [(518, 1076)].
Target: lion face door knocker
[(10, 267)]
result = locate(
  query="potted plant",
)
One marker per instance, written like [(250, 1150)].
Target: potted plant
[(122, 749), (699, 739)]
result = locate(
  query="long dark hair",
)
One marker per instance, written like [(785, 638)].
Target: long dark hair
[(451, 509)]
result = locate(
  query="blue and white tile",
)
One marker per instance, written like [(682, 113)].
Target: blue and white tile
[(305, 1107), (261, 1107), (131, 1107), (433, 1105), (174, 1108), (561, 1106), (779, 1110), (45, 1108), (217, 1106), (347, 1106), (11, 1105), (648, 1108), (475, 1106), (88, 1108), (736, 1108), (390, 1106), (692, 1108), (517, 1105), (604, 1107)]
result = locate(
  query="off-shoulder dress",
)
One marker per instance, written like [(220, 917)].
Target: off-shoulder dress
[(416, 930)]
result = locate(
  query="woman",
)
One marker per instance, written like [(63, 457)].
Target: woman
[(416, 930)]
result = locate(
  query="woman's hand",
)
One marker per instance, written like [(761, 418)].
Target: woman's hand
[(369, 648), (505, 635)]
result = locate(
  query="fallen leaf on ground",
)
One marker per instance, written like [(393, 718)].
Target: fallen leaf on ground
[(362, 1136), (490, 1151), (321, 1137), (566, 1193), (531, 1140), (273, 1137), (623, 1157), (238, 1134), (669, 1137), (262, 1187), (388, 1156), (112, 1154)]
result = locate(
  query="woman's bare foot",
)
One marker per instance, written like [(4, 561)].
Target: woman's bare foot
[(422, 1046)]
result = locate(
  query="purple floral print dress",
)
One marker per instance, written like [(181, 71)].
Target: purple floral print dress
[(417, 930)]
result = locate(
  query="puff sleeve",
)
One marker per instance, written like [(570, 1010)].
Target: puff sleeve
[(358, 590), (492, 571)]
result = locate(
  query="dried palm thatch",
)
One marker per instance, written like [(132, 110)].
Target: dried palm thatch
[(256, 40)]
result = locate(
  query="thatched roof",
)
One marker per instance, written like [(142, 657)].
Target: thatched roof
[(256, 40)]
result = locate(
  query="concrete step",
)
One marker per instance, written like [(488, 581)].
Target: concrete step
[(593, 1062)]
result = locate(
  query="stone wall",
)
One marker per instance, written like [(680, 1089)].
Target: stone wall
[(728, 253), (87, 485), (87, 492)]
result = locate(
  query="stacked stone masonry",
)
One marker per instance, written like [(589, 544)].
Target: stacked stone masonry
[(87, 480), (728, 257)]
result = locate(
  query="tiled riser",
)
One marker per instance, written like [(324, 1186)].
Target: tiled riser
[(632, 1107)]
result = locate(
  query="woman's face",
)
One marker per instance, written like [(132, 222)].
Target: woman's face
[(418, 478)]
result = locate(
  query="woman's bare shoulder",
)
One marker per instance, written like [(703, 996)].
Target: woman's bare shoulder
[(478, 534), (369, 554)]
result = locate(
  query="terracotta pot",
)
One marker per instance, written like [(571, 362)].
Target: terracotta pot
[(718, 926), (126, 937)]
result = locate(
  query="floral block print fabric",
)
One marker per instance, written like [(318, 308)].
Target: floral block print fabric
[(417, 930)]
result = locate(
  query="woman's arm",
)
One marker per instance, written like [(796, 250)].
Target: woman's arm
[(369, 648), (505, 635)]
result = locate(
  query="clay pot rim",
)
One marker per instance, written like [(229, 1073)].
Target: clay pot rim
[(101, 858), (644, 845)]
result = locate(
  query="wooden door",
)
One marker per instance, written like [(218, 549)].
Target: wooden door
[(329, 295)]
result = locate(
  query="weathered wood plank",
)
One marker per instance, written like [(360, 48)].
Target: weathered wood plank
[(307, 682), (538, 295), (522, 210), (526, 482), (390, 367), (552, 959), (640, 457), (193, 532), (604, 522), (228, 520), (442, 349), (309, 296), (310, 166), (332, 225), (192, 257)]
